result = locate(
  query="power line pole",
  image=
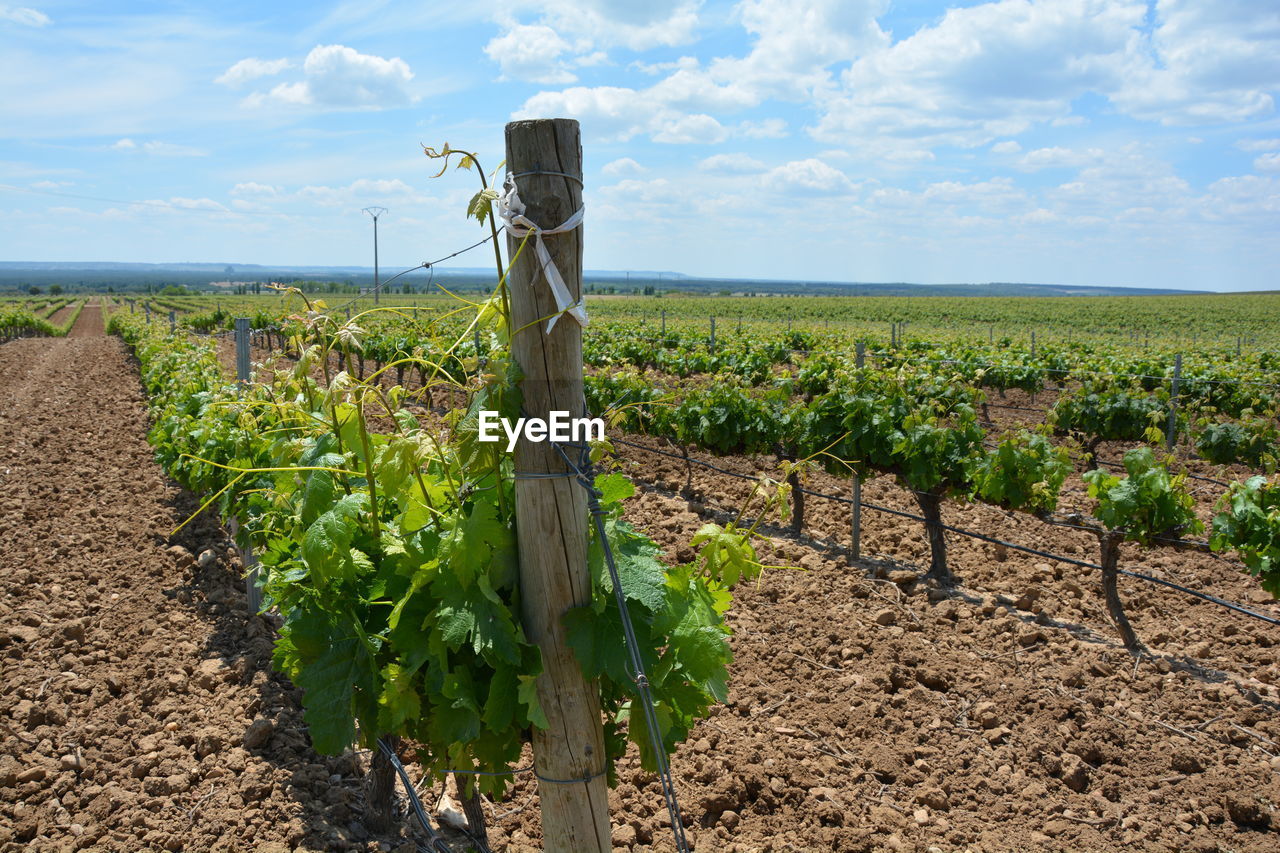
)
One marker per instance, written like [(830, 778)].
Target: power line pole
[(375, 212)]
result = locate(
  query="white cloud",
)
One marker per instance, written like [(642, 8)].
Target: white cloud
[(985, 71), (984, 193), (623, 23), (255, 188), (617, 114), (732, 164), (169, 149), (700, 128), (364, 191), (1268, 162), (769, 128), (1209, 62), (1009, 146), (1056, 157), (339, 77), (1039, 216), (25, 16), (251, 69), (1253, 201), (909, 155), (531, 54), (794, 43), (158, 148), (623, 166), (1123, 179), (1258, 144), (808, 177)]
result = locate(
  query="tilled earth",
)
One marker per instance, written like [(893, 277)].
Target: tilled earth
[(868, 710), (139, 711)]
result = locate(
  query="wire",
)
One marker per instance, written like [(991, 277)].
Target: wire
[(975, 535), (427, 265), (635, 662), (436, 839)]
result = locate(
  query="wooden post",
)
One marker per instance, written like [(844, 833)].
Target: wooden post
[(855, 549), (1171, 429), (1033, 343), (173, 322), (860, 354), (551, 514), (664, 326), (711, 348), (246, 553)]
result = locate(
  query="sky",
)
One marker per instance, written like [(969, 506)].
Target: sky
[(1089, 142)]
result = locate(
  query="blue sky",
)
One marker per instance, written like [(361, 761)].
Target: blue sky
[(1101, 142)]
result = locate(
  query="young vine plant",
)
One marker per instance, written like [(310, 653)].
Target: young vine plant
[(386, 538)]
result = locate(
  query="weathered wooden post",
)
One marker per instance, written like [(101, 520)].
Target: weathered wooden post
[(664, 326), (1171, 429), (711, 347), (246, 552), (860, 354), (855, 532), (551, 513), (173, 322), (1033, 343)]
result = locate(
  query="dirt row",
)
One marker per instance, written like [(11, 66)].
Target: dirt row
[(139, 711)]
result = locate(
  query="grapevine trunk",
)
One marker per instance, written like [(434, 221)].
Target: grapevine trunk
[(380, 790), (931, 508), (1110, 572)]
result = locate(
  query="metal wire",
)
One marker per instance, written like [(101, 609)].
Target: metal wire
[(437, 841), (980, 536), (585, 478), (425, 265)]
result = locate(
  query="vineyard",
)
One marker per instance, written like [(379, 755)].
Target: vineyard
[(847, 575)]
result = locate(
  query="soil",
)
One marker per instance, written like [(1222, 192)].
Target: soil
[(868, 710), (139, 711)]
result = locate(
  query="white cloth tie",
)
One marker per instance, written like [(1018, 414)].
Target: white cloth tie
[(511, 212)]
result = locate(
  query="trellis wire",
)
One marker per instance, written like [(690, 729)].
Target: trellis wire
[(979, 536), (584, 478)]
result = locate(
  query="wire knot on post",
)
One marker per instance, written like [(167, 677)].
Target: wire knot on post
[(511, 212)]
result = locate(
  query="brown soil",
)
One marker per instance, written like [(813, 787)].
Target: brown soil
[(871, 711), (89, 323), (139, 710), (60, 316)]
